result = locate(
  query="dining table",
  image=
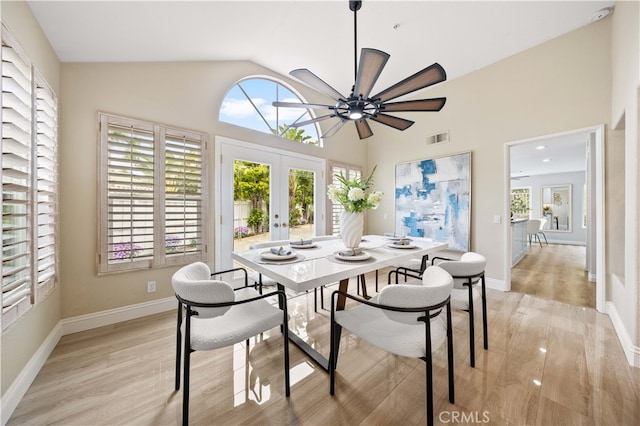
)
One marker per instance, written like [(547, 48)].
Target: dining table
[(305, 265)]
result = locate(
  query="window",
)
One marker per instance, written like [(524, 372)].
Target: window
[(29, 183), (249, 104), (521, 202), (350, 172), (152, 195)]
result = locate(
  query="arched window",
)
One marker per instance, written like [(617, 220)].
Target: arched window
[(248, 104)]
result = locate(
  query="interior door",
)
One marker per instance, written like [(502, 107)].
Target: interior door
[(266, 195)]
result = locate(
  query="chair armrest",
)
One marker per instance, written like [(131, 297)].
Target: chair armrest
[(246, 275), (280, 294), (439, 258), (425, 309)]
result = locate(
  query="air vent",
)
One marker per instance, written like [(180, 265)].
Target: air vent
[(438, 138)]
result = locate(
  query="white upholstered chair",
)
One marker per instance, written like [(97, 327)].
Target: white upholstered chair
[(543, 223), (403, 320), (216, 315), (467, 273), (533, 229)]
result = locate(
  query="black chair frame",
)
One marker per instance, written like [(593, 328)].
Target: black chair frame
[(409, 272), (429, 312), (469, 284), (188, 305)]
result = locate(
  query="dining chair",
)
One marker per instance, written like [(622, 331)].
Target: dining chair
[(533, 229), (543, 223), (212, 315), (404, 320), (467, 272)]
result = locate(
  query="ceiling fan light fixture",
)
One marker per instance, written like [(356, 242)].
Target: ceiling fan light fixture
[(355, 113), (360, 106)]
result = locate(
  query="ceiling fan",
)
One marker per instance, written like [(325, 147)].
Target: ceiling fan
[(359, 106)]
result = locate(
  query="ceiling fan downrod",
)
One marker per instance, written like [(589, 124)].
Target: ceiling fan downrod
[(355, 5)]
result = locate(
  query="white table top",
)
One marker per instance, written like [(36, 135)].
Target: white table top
[(317, 266)]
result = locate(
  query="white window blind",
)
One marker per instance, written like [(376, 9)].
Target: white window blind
[(16, 180), (152, 195), (349, 172), (183, 196), (46, 186)]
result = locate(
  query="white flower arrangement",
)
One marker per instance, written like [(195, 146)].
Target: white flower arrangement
[(352, 195)]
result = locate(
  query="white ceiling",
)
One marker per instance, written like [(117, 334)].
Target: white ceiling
[(566, 153), (462, 36)]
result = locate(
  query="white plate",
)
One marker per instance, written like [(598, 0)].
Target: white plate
[(267, 255), (401, 246), (397, 238), (303, 246), (362, 256)]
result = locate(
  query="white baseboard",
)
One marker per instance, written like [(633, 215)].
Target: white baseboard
[(20, 385), (631, 351), (565, 242), (495, 284), (113, 316), (591, 277)]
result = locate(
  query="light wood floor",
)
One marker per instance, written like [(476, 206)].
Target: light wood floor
[(555, 272), (548, 363)]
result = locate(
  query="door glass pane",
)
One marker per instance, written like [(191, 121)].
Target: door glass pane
[(301, 204), (251, 185)]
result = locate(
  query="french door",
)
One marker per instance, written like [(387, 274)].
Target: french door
[(264, 195)]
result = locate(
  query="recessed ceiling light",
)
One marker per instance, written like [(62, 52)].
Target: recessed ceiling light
[(601, 14), (546, 160), (541, 147)]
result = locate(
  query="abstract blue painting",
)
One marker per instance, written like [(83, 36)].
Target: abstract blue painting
[(433, 199)]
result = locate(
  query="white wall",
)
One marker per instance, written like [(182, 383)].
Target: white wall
[(577, 181)]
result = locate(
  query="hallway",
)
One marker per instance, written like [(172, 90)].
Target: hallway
[(555, 272)]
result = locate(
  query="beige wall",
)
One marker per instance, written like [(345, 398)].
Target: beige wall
[(22, 339), (626, 117), (186, 95), (562, 85)]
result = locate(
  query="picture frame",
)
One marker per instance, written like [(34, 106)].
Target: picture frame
[(433, 199)]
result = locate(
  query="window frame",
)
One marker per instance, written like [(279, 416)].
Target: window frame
[(156, 253), (39, 141), (301, 117)]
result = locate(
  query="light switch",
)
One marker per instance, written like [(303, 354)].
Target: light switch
[(496, 218)]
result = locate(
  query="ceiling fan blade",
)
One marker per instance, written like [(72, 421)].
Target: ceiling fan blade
[(395, 122), (316, 82), (364, 130), (300, 105), (311, 121), (431, 75), (434, 104), (333, 129), (372, 61)]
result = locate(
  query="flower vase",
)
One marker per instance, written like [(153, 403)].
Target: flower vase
[(351, 227)]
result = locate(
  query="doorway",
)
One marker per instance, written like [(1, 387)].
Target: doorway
[(265, 194), (594, 209)]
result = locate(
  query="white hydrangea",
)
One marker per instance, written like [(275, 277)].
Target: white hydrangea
[(375, 198), (355, 194), (332, 192)]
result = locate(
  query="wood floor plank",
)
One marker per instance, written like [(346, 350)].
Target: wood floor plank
[(124, 374)]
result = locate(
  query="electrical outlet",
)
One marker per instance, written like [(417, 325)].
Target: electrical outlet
[(151, 286)]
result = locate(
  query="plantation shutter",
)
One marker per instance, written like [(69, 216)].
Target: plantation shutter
[(129, 203), (336, 208), (16, 180), (46, 214), (153, 195), (183, 211)]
